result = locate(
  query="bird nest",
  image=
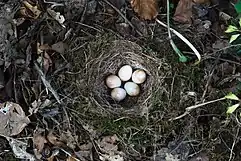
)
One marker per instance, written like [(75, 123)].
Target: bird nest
[(109, 61)]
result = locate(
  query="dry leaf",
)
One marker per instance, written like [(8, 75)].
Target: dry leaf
[(69, 139), (200, 157), (183, 11), (59, 47), (12, 118), (105, 157), (146, 9), (47, 61), (109, 148), (19, 149), (30, 11), (52, 158), (38, 141), (54, 140), (108, 144), (57, 16), (85, 152)]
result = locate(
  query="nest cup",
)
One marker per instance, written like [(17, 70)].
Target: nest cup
[(119, 53)]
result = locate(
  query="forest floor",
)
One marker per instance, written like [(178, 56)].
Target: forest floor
[(54, 103)]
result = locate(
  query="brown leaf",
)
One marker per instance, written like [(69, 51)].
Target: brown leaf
[(69, 139), (38, 141), (30, 11), (54, 140), (12, 118), (47, 61), (183, 11), (51, 158), (146, 9)]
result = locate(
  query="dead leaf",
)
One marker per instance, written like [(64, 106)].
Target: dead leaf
[(108, 144), (39, 141), (12, 118), (85, 152), (146, 9), (30, 11), (105, 157), (44, 47), (38, 104), (200, 157), (59, 47), (52, 158), (54, 140), (57, 16), (47, 61), (69, 139), (109, 148), (183, 11), (19, 149)]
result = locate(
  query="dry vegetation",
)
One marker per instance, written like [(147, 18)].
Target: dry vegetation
[(55, 71)]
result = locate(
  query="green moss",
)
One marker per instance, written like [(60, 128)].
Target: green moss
[(119, 126)]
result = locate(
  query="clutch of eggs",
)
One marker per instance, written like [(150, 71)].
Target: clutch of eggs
[(131, 79)]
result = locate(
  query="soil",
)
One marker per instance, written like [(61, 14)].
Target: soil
[(57, 69)]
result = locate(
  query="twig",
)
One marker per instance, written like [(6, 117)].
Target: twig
[(83, 14), (226, 60), (88, 26), (116, 9), (183, 39), (50, 88), (190, 108), (210, 78), (14, 85), (234, 142), (46, 83), (171, 92)]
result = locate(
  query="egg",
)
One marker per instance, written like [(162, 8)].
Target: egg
[(139, 76), (125, 72), (112, 81), (118, 94), (132, 88)]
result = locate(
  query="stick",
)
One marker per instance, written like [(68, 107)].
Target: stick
[(190, 108), (46, 83)]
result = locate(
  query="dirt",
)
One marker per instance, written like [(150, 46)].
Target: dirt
[(54, 57)]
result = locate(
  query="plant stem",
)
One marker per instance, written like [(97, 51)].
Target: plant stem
[(190, 108)]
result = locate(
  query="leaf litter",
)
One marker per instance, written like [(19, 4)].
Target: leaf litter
[(13, 119), (47, 49)]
